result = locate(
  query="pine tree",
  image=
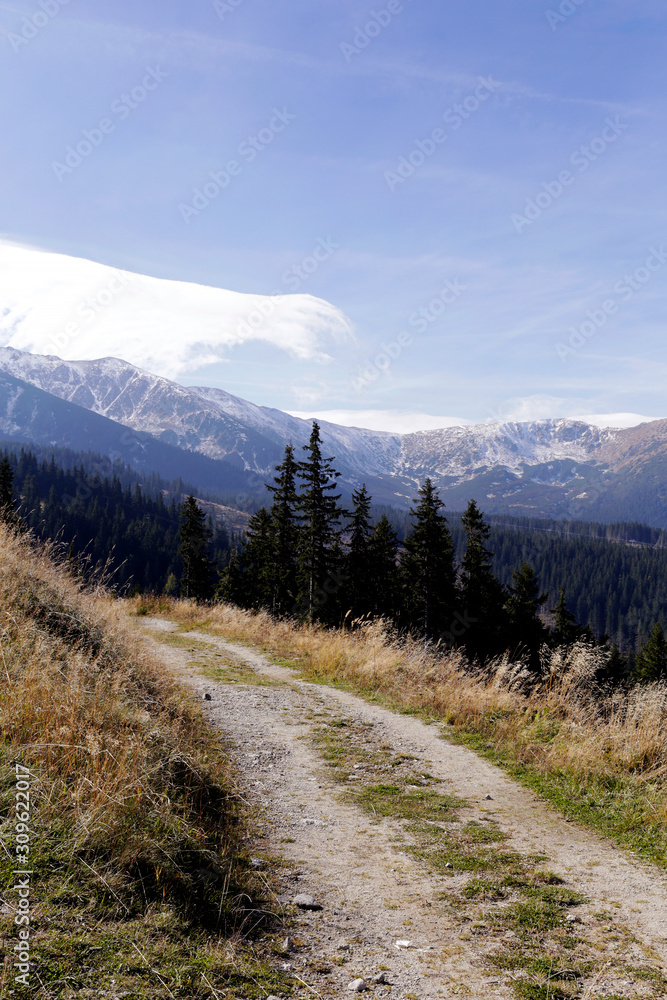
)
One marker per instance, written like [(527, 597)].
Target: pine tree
[(232, 586), (357, 565), (258, 562), (615, 671), (7, 510), (482, 597), (383, 586), (427, 568), (566, 630), (651, 661), (284, 535), (319, 570), (527, 632), (198, 572)]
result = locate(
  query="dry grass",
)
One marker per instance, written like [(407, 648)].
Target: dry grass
[(602, 758), (137, 829)]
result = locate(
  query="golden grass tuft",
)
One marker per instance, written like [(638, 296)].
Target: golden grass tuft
[(129, 789)]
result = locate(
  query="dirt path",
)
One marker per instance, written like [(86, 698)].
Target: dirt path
[(373, 893)]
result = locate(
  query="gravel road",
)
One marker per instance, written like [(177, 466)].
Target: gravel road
[(384, 914)]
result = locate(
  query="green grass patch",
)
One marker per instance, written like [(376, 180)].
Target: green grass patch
[(617, 806)]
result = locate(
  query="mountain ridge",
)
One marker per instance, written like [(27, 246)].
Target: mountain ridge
[(557, 467)]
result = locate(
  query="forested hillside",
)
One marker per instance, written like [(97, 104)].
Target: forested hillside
[(613, 576), (111, 525)]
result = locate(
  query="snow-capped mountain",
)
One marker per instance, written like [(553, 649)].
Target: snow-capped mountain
[(549, 467), (219, 425), (461, 452), (206, 420)]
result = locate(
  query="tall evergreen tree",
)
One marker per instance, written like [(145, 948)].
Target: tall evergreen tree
[(615, 672), (319, 571), (7, 513), (566, 630), (284, 535), (526, 629), (383, 586), (198, 571), (651, 661), (482, 597), (427, 568), (258, 563), (357, 563)]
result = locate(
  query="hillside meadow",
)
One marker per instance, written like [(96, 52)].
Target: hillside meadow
[(129, 819)]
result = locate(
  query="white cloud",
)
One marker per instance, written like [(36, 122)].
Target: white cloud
[(394, 421), (617, 420), (79, 310), (520, 411)]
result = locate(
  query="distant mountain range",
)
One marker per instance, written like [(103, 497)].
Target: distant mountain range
[(550, 468)]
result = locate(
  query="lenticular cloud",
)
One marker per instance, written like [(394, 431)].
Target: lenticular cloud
[(78, 309)]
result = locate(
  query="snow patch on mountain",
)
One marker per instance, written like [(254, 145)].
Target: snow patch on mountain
[(217, 424), (462, 452)]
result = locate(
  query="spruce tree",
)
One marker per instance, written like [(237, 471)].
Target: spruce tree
[(319, 558), (615, 672), (198, 572), (651, 661), (427, 568), (7, 511), (527, 631), (258, 563), (284, 535), (232, 586), (481, 595), (566, 630), (357, 564), (384, 589)]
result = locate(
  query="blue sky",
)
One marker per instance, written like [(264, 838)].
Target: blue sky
[(488, 180)]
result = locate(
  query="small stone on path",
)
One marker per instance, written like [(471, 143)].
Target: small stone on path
[(305, 902), (358, 985)]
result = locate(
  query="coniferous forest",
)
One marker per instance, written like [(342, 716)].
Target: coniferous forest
[(115, 530), (460, 580)]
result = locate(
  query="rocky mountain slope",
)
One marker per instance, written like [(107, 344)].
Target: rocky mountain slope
[(561, 468)]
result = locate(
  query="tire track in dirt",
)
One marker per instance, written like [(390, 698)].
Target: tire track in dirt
[(373, 893)]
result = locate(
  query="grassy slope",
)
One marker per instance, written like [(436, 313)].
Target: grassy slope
[(141, 886), (602, 762)]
